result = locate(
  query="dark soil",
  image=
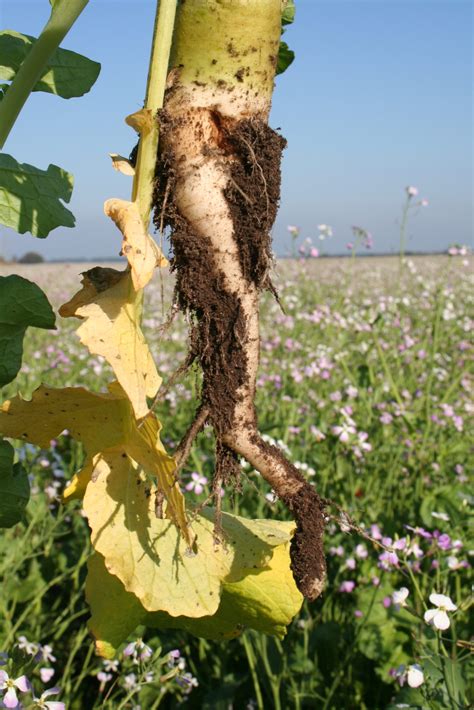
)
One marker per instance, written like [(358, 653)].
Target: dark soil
[(218, 322), (253, 193)]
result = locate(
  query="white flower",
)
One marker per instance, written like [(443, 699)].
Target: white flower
[(29, 647), (453, 563), (130, 682), (415, 676), (46, 653), (438, 617), (399, 597), (441, 516), (10, 699), (44, 704)]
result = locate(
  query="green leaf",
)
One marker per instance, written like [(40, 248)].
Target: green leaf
[(30, 198), (23, 304), (67, 73), (285, 58), (14, 488), (288, 14), (455, 682)]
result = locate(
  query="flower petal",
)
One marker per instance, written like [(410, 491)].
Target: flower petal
[(415, 676), (10, 699), (22, 683), (430, 615), (439, 599), (50, 691), (3, 679), (441, 620)]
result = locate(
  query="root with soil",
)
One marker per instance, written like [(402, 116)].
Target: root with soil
[(218, 188)]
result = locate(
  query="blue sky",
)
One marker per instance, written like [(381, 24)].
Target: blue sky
[(379, 97)]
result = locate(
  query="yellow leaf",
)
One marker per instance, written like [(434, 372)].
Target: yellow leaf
[(141, 250), (76, 487), (104, 422), (115, 613), (141, 121), (148, 554), (111, 310), (265, 599), (121, 164)]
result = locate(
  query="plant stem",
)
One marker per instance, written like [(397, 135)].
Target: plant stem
[(403, 227), (142, 190), (253, 670), (63, 16), (429, 384)]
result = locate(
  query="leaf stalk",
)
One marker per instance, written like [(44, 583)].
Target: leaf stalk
[(142, 190), (63, 16)]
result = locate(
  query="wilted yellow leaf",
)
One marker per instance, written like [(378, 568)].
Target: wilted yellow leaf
[(149, 555), (105, 423), (265, 599), (141, 250), (121, 164), (141, 121), (76, 487), (111, 310)]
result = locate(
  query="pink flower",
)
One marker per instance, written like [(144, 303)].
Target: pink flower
[(314, 252), (411, 191), (10, 699), (375, 532), (46, 674), (347, 587), (196, 483)]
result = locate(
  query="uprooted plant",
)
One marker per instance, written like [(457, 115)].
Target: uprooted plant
[(218, 187), (213, 177)]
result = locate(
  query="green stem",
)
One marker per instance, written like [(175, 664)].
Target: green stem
[(390, 378), (63, 16), (429, 384), (253, 670), (142, 191), (403, 227)]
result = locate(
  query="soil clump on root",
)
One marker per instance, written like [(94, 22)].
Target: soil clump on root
[(223, 331)]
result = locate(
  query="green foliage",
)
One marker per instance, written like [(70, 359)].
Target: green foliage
[(285, 54), (344, 649), (31, 200), (14, 488), (285, 58), (67, 73), (23, 304), (288, 14), (31, 257)]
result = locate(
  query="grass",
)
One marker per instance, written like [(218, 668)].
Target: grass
[(365, 380)]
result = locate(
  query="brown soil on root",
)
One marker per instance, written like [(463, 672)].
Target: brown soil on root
[(253, 193), (308, 562), (219, 328)]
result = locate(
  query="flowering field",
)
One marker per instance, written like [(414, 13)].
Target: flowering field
[(365, 382)]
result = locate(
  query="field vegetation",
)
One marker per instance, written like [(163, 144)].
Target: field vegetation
[(365, 382)]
